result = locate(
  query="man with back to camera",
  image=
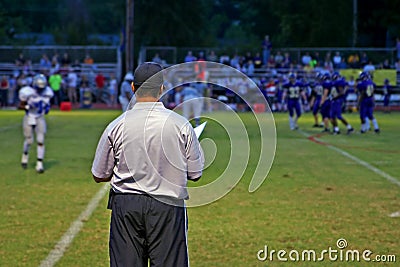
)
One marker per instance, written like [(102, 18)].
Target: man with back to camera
[(148, 154)]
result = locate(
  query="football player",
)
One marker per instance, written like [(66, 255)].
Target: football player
[(316, 95), (366, 104), (292, 93), (35, 100), (337, 95), (325, 104)]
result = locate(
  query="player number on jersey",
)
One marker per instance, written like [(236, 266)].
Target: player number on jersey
[(370, 90)]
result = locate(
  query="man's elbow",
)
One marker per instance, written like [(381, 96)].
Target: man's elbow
[(100, 180)]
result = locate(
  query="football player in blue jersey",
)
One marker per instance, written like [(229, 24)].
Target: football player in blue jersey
[(316, 95), (35, 100), (325, 105), (337, 95), (292, 91), (366, 104)]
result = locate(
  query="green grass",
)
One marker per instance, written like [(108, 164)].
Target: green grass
[(312, 196)]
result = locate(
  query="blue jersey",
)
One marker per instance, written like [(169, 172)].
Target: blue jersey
[(366, 89), (338, 89), (293, 89), (318, 90), (327, 85)]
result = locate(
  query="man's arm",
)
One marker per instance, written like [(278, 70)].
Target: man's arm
[(101, 180), (103, 163)]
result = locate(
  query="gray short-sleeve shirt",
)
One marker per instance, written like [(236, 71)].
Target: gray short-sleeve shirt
[(149, 150)]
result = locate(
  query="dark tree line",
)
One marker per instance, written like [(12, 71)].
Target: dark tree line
[(223, 23)]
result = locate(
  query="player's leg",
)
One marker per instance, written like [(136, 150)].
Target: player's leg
[(325, 116), (370, 116), (290, 107), (364, 127), (315, 112), (40, 134), (342, 119), (334, 115), (298, 114), (28, 140)]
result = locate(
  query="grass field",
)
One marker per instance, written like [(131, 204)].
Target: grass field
[(314, 195)]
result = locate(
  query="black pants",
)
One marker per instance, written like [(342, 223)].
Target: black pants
[(143, 228)]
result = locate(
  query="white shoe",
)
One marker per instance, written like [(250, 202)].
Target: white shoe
[(39, 167), (24, 161)]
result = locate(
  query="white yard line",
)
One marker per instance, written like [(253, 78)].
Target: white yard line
[(364, 164), (62, 245)]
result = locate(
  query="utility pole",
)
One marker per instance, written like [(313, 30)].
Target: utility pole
[(355, 30), (129, 46)]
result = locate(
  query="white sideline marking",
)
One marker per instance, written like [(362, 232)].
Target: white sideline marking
[(366, 165), (395, 214), (62, 245), (359, 161)]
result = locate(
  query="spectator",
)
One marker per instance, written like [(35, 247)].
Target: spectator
[(100, 81), (157, 59), (271, 61), (55, 64), (306, 59), (369, 67), (387, 91), (112, 90), (353, 60), (65, 60), (286, 61), (55, 82), (126, 92), (77, 66), (386, 64), (189, 57), (88, 60), (343, 64), (397, 65), (328, 65), (45, 63), (364, 59), (250, 68), (278, 59), (72, 79), (212, 56), (337, 59), (13, 96), (266, 49), (4, 89), (248, 56), (20, 61), (235, 62), (318, 59), (257, 61), (85, 93)]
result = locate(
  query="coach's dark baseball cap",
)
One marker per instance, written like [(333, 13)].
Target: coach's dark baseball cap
[(148, 70)]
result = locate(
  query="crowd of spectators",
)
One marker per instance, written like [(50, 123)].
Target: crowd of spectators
[(65, 78)]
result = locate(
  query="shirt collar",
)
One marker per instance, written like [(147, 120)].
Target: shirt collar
[(148, 105)]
